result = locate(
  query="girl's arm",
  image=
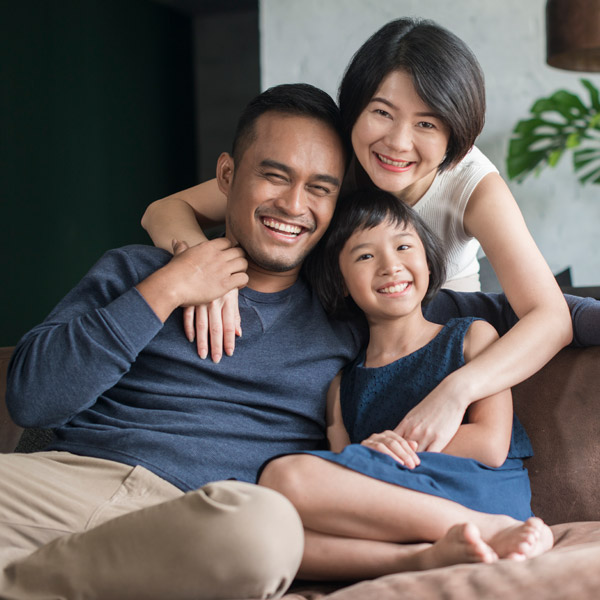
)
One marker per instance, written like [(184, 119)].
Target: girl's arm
[(182, 215), (544, 326), (337, 435), (387, 441), (486, 435)]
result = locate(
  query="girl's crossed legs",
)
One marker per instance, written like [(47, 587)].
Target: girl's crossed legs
[(360, 527)]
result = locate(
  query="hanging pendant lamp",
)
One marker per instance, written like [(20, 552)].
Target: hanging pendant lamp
[(573, 34)]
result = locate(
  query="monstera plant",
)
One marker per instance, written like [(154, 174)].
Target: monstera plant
[(560, 123)]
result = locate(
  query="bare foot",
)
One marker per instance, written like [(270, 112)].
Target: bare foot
[(525, 540), (461, 544)]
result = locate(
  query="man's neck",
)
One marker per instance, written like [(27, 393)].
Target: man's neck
[(269, 282)]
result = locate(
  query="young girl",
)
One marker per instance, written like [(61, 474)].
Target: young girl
[(379, 258), (413, 102)]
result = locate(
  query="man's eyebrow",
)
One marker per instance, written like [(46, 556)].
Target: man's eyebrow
[(273, 164)]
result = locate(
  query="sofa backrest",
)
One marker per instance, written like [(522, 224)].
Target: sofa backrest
[(560, 408)]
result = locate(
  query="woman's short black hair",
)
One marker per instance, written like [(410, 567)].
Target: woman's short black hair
[(294, 99), (444, 71), (357, 211)]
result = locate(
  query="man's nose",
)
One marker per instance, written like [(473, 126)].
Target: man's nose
[(292, 200)]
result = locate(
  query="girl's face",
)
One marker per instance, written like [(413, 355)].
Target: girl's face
[(399, 140), (385, 270)]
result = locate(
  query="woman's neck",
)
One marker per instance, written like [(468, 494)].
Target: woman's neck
[(390, 340)]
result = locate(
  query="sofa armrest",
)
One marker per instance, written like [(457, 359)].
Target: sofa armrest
[(9, 432), (560, 409)]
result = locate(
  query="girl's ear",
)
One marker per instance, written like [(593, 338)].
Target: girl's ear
[(225, 169)]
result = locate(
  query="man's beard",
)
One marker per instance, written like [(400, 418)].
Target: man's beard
[(273, 264)]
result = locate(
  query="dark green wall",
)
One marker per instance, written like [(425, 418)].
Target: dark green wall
[(96, 121)]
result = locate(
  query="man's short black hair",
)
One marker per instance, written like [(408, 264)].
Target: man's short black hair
[(294, 99)]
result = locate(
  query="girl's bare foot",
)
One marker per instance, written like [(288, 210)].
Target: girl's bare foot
[(461, 544), (525, 540)]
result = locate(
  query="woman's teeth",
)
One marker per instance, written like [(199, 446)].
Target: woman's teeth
[(393, 163)]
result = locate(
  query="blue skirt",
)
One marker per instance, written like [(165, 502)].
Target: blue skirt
[(503, 490)]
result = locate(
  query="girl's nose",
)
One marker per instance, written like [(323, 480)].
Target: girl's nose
[(391, 266)]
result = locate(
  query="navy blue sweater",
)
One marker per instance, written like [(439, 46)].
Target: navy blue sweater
[(117, 384)]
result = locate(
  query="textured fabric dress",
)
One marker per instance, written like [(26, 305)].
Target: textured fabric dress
[(376, 399)]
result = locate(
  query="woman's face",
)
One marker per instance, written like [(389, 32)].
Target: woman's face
[(399, 140)]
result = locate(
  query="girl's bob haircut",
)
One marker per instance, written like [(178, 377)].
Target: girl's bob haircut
[(358, 211), (444, 71)]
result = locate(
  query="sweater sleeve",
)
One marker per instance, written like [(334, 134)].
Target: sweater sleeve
[(83, 348)]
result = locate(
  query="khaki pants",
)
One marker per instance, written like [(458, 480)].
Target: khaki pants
[(74, 527)]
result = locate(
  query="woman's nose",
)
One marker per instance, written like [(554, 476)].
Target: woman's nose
[(399, 137)]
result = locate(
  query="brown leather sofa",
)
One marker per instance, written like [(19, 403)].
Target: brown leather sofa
[(560, 408)]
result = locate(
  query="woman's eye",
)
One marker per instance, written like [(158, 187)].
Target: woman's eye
[(383, 113), (426, 125), (403, 247)]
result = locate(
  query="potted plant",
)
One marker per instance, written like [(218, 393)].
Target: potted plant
[(561, 122)]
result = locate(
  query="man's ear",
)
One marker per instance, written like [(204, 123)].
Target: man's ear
[(225, 168)]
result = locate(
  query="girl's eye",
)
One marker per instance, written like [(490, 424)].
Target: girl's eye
[(364, 257), (403, 247)]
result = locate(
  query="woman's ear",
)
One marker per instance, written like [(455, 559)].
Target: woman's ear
[(225, 168)]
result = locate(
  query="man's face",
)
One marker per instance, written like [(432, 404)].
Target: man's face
[(282, 191)]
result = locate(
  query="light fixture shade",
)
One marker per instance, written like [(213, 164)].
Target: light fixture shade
[(573, 34)]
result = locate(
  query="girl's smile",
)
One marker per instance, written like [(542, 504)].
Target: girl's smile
[(399, 141), (385, 270)]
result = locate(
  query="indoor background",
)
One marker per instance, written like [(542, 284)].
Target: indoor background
[(107, 105)]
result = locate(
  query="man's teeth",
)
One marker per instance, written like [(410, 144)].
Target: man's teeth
[(394, 289), (283, 227), (394, 163)]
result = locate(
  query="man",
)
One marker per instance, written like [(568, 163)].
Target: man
[(125, 504)]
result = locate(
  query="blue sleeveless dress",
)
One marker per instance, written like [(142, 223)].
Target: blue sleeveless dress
[(376, 399)]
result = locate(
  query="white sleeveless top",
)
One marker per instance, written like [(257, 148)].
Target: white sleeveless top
[(442, 207)]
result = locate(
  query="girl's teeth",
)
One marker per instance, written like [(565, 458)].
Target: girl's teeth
[(394, 289)]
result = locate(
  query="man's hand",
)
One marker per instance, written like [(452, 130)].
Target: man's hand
[(394, 445), (194, 276), (433, 422)]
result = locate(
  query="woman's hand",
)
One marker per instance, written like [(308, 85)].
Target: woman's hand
[(394, 445), (434, 421), (215, 325)]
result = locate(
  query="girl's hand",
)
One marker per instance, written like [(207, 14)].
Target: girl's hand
[(394, 445), (218, 322), (433, 422)]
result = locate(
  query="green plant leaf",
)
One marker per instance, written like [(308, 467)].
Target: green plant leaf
[(558, 123), (594, 93)]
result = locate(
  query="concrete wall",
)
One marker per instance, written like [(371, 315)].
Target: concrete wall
[(313, 40)]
